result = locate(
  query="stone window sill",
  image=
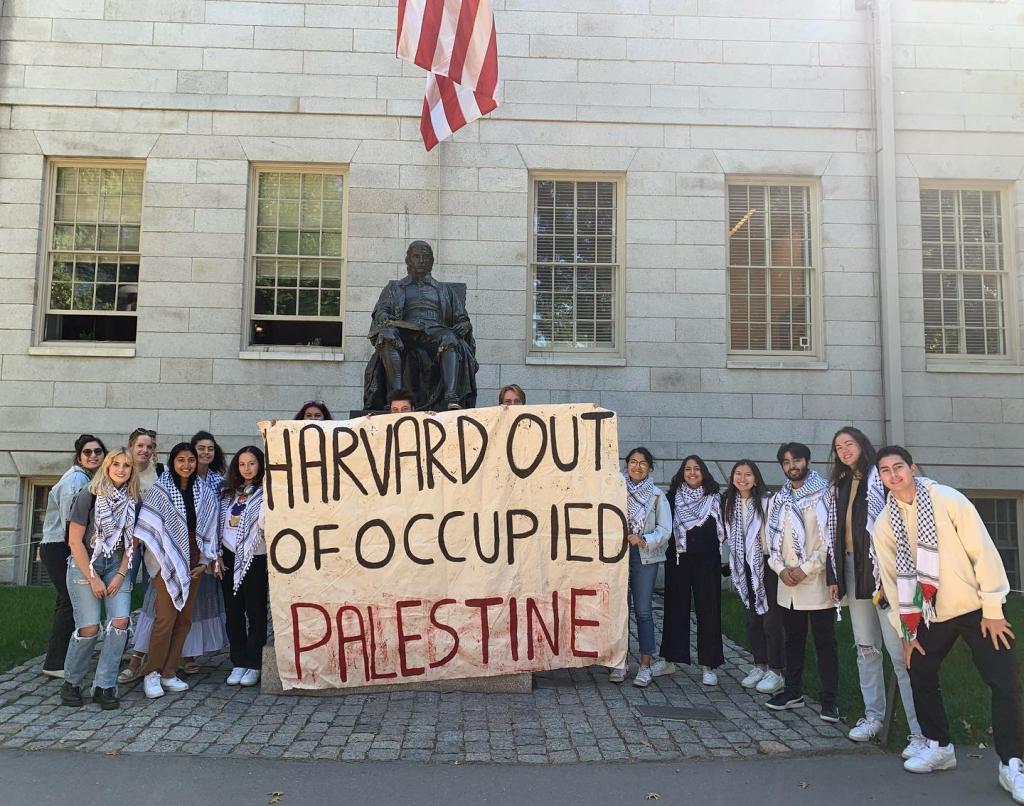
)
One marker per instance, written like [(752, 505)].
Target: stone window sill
[(292, 355), (575, 360), (774, 363), (974, 367), (83, 350)]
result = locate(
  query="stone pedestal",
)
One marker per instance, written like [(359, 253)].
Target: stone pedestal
[(270, 683)]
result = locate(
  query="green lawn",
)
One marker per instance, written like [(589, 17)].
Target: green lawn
[(25, 627), (967, 697)]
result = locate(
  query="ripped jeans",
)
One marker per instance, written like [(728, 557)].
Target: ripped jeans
[(872, 629), (87, 613)]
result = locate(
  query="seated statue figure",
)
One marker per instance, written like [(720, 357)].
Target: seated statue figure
[(422, 340)]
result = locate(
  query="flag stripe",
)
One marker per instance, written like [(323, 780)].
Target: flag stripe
[(430, 27), (468, 18)]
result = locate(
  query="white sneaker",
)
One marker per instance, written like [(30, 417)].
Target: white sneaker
[(250, 678), (643, 677), (174, 684), (57, 674), (1011, 778), (865, 730), (771, 683), (932, 758), (754, 676), (916, 743), (617, 675), (662, 667), (151, 685), (236, 675), (708, 676)]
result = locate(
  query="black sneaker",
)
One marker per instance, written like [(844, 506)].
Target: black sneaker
[(785, 700), (106, 698), (70, 695), (829, 712)]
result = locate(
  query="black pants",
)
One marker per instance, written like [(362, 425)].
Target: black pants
[(246, 611), (54, 557), (998, 668), (766, 633), (699, 575), (823, 626)]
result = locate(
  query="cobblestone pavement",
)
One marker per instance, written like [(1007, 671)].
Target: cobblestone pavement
[(570, 716)]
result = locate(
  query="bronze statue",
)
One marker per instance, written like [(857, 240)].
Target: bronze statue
[(422, 339)]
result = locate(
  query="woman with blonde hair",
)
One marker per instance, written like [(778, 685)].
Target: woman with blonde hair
[(100, 535)]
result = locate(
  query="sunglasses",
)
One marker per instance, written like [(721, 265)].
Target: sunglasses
[(313, 403), (142, 432), (92, 451)]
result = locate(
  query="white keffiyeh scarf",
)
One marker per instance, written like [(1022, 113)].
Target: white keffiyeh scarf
[(248, 533), (789, 504), (638, 497), (114, 518), (692, 509), (747, 523), (917, 577), (162, 526)]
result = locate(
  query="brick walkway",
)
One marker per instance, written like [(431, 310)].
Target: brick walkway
[(570, 716)]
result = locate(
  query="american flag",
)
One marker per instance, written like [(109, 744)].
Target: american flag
[(455, 41)]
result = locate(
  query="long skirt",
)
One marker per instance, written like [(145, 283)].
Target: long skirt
[(208, 633)]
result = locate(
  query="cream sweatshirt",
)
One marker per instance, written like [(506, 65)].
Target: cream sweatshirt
[(971, 572)]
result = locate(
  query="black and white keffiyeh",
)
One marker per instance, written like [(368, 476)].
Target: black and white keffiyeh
[(638, 498), (114, 519), (163, 528), (917, 574), (692, 509), (746, 523), (789, 504), (248, 533)]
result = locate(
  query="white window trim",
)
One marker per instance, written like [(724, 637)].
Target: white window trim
[(39, 346), (782, 359), (961, 362), (23, 557), (1016, 496), (292, 352), (562, 356)]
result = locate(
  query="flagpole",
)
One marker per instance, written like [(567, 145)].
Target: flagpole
[(440, 165)]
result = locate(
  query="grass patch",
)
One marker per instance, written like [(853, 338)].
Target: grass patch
[(27, 616), (967, 698)]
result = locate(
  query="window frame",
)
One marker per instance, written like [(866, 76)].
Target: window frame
[(45, 271), (947, 361), (29, 552), (1018, 499), (783, 358), (248, 348), (563, 354)]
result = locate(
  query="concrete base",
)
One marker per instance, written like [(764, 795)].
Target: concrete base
[(270, 683)]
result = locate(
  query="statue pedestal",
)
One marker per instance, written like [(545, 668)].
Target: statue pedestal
[(270, 683)]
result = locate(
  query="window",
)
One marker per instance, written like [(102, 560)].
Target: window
[(962, 257), (1001, 518), (298, 256), (576, 271), (37, 495), (772, 283), (92, 254)]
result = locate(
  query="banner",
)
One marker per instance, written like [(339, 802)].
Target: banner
[(468, 543)]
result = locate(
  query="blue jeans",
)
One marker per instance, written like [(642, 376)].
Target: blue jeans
[(87, 613), (641, 598)]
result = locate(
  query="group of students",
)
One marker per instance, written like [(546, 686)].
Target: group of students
[(909, 559), (190, 531)]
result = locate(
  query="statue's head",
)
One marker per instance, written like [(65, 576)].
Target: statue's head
[(419, 259)]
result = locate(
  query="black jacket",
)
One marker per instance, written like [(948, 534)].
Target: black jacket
[(865, 580)]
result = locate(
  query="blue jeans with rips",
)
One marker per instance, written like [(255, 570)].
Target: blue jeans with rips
[(641, 598), (88, 610)]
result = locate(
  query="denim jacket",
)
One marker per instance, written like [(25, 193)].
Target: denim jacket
[(657, 529), (58, 503)]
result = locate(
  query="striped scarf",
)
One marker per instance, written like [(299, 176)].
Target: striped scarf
[(747, 522), (114, 516), (917, 578), (249, 532), (162, 526), (693, 508), (638, 497), (789, 504)]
